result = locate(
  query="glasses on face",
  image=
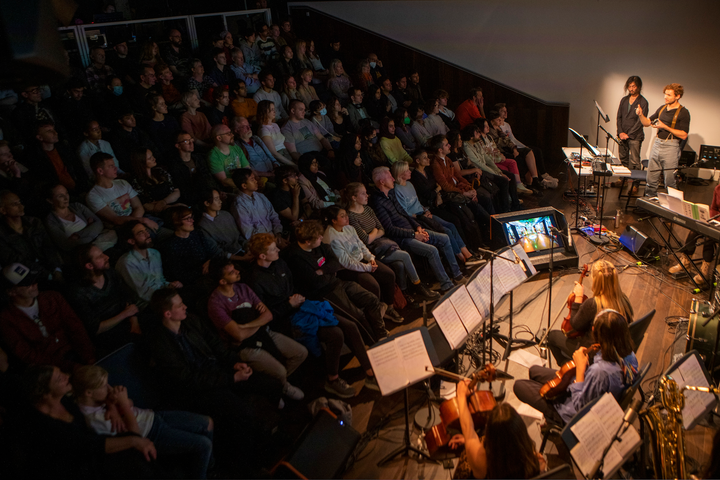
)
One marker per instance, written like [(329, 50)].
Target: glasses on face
[(187, 142), (188, 218), (225, 133)]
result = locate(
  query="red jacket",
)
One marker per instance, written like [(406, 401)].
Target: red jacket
[(444, 173), (467, 112), (67, 343)]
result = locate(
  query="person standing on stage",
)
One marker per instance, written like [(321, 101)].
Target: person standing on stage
[(629, 127), (673, 123)]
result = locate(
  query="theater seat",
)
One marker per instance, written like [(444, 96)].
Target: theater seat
[(128, 367)]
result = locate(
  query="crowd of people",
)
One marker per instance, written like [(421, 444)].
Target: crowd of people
[(232, 212)]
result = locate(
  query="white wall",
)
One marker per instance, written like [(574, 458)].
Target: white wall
[(573, 51)]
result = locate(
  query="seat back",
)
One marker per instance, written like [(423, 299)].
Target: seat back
[(561, 472), (126, 366), (627, 395), (639, 327)]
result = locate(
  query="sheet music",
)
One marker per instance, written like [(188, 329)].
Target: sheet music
[(388, 367), (450, 323), (526, 260), (466, 309), (595, 430), (674, 192), (697, 404), (479, 290), (415, 357), (512, 275)]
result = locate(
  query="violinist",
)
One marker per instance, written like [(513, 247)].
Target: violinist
[(614, 367), (606, 294), (504, 451)]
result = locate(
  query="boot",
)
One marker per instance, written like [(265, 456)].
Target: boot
[(423, 292), (677, 268), (705, 269)]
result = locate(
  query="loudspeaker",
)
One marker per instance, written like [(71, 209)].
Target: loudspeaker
[(640, 244), (687, 156), (322, 451)]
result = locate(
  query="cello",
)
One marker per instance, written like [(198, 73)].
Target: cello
[(564, 377), (566, 326), (480, 404)]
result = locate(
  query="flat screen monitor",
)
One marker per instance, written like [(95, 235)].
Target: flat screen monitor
[(533, 234)]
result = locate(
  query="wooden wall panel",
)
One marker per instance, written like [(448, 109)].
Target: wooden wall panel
[(535, 122)]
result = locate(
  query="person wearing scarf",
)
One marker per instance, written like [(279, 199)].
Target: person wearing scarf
[(314, 182)]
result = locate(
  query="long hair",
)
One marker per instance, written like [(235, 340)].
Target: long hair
[(138, 162), (610, 330), (510, 452), (263, 111), (606, 289), (347, 194), (329, 214), (636, 80)]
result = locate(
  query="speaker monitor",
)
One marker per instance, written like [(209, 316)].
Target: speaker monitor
[(640, 244)]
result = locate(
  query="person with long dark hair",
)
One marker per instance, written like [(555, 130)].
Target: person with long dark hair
[(354, 164), (152, 183), (315, 184), (391, 144)]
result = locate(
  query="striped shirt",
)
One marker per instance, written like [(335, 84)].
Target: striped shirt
[(364, 222)]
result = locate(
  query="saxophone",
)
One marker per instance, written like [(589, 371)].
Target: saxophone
[(667, 441)]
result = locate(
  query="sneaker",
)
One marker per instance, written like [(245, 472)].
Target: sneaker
[(383, 309), (393, 315), (292, 392), (549, 183), (460, 280), (371, 383), (523, 190), (424, 293), (340, 388), (547, 176), (474, 260)]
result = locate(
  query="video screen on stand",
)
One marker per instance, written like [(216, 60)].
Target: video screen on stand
[(533, 234)]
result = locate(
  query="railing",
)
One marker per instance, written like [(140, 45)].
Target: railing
[(79, 38)]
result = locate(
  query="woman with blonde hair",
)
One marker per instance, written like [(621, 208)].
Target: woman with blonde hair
[(606, 294), (306, 92), (269, 132), (339, 83)]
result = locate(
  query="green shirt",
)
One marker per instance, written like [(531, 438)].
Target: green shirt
[(219, 162)]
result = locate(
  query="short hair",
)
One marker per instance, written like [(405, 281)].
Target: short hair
[(499, 106), (153, 99), (240, 176), (293, 103), (440, 93), (264, 74), (180, 133), (35, 382), (469, 131), (637, 81), (492, 115), (475, 90), (435, 143), (98, 159), (235, 121), (161, 67), (43, 123), (308, 231), (350, 190), (235, 52), (96, 47), (353, 91), (217, 51), (315, 106), (87, 377), (378, 173), (216, 269), (215, 132), (47, 189), (398, 168), (284, 171), (185, 97), (260, 242), (125, 232), (178, 213), (676, 88), (82, 256), (161, 300)]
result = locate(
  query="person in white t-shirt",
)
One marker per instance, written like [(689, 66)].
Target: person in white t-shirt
[(109, 411), (114, 200)]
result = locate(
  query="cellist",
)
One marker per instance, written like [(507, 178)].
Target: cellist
[(606, 294), (614, 367)]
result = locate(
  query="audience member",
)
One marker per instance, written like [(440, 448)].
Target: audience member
[(301, 135), (370, 149), (286, 198), (306, 92), (221, 73), (386, 88), (31, 110), (491, 153), (402, 97), (377, 105), (250, 49), (243, 106), (93, 144), (14, 176), (267, 80), (287, 32), (125, 138), (252, 210), (169, 91), (315, 266), (225, 157), (120, 61), (219, 229), (417, 125), (175, 55), (40, 327), (356, 109), (433, 123), (339, 83), (193, 121), (352, 166), (271, 134), (363, 79), (243, 322), (391, 144), (261, 160), (471, 109), (376, 67), (162, 127), (318, 115), (75, 110), (275, 35), (198, 81), (317, 65), (338, 117), (152, 183), (246, 73), (268, 48), (114, 102), (447, 115), (333, 53), (219, 113), (315, 184), (189, 170), (414, 92), (53, 162), (98, 71), (285, 66), (146, 84), (525, 158), (289, 92), (149, 54)]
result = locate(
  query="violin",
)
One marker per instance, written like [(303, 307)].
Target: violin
[(564, 377), (480, 404), (566, 326)]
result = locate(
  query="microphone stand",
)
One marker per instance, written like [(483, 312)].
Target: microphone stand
[(631, 415), (600, 240)]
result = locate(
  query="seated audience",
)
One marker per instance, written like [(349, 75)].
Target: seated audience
[(75, 109), (471, 109), (401, 94), (270, 133), (353, 166), (285, 66), (417, 125), (363, 79), (169, 91), (301, 59), (286, 198), (225, 157), (377, 104), (301, 135), (186, 255), (306, 92), (318, 115), (339, 83), (360, 265), (141, 266), (414, 92), (391, 144), (196, 373), (317, 65), (73, 224), (193, 121), (272, 280), (433, 123), (23, 239), (275, 30), (149, 54), (14, 176), (241, 105), (289, 91), (243, 322), (98, 71), (315, 266), (259, 157), (369, 229), (250, 49), (489, 152), (386, 88), (114, 101), (40, 327), (268, 48), (337, 114), (162, 127), (402, 129), (407, 233), (525, 158), (377, 70), (52, 161), (187, 435), (219, 229), (447, 115), (125, 138), (176, 56), (266, 92), (146, 84), (93, 144), (370, 149), (198, 81), (221, 74), (115, 201), (68, 447), (103, 302), (252, 210), (189, 170), (152, 183), (356, 109), (244, 72), (315, 185), (29, 112)]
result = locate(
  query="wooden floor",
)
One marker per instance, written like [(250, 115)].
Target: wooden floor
[(648, 288)]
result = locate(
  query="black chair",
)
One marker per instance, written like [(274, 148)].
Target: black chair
[(639, 327), (561, 472), (637, 176), (128, 367)]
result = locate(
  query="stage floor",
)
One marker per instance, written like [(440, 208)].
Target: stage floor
[(647, 289)]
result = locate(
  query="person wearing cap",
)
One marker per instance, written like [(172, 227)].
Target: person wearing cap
[(41, 327), (24, 239)]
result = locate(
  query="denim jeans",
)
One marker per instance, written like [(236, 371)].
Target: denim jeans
[(186, 434), (429, 250), (629, 153), (664, 154), (456, 242), (400, 261)]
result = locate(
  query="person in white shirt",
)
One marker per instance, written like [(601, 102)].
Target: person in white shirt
[(266, 92), (93, 144)]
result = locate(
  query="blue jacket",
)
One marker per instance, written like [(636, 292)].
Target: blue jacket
[(308, 319), (395, 221)]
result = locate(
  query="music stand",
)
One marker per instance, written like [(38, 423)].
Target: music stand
[(602, 115), (583, 144)]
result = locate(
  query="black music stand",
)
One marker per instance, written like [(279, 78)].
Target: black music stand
[(605, 118), (583, 144)]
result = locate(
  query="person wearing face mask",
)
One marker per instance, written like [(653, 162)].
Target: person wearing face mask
[(114, 101), (402, 129), (376, 67), (318, 114)]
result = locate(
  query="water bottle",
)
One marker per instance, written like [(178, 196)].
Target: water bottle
[(618, 218)]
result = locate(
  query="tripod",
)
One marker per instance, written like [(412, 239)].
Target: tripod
[(406, 446)]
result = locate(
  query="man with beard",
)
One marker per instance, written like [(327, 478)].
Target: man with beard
[(141, 267), (629, 127), (103, 302), (175, 55)]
